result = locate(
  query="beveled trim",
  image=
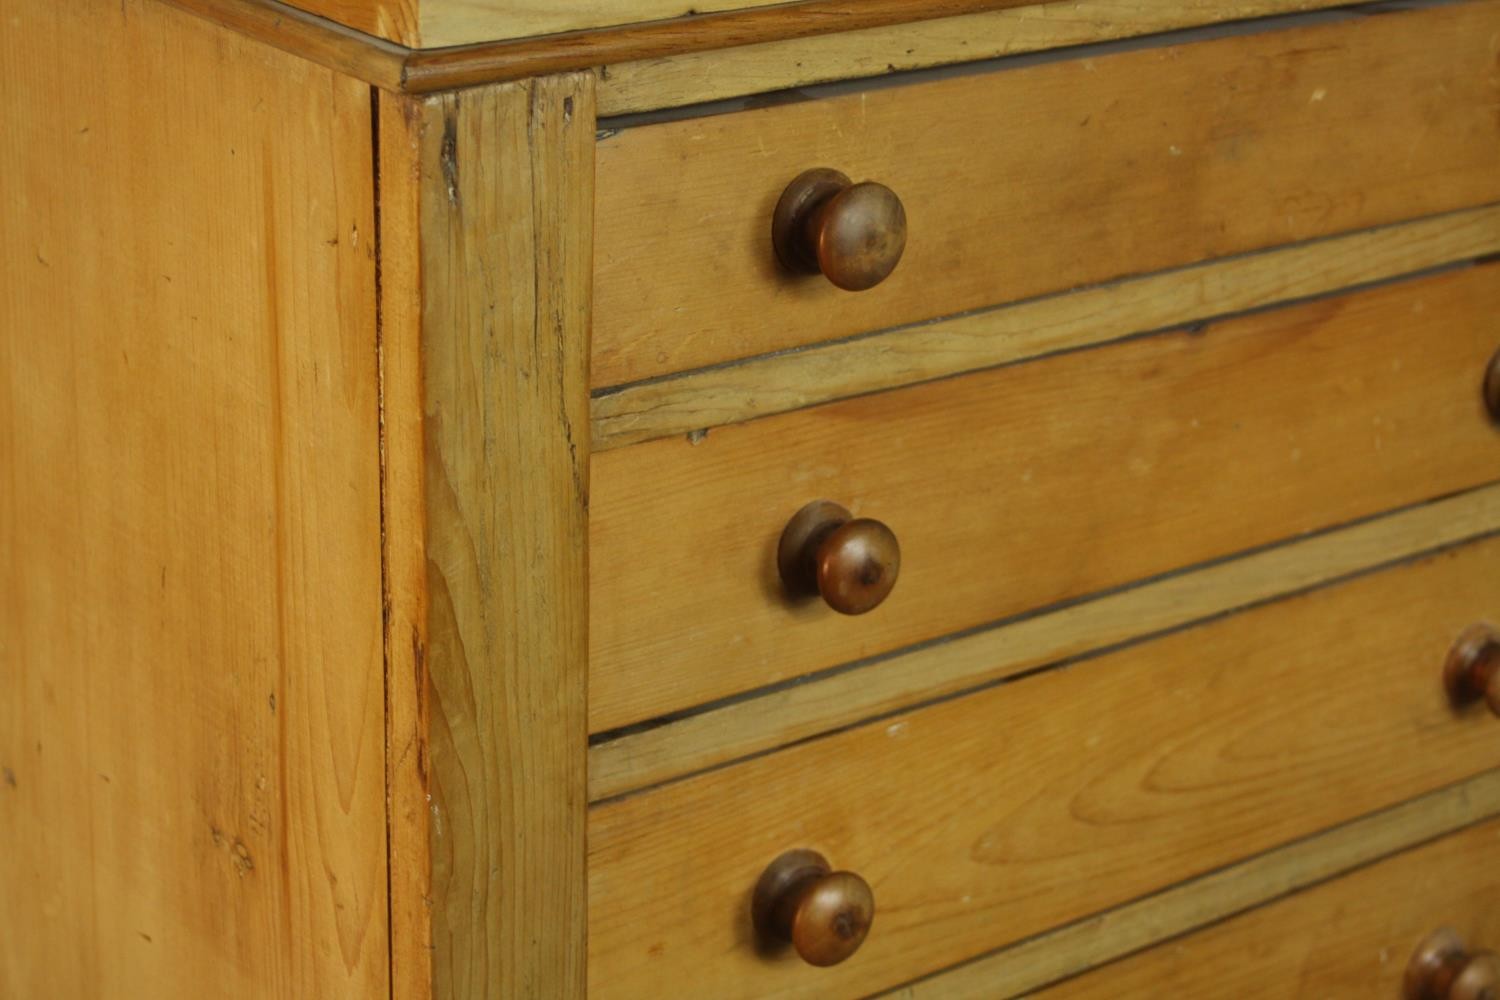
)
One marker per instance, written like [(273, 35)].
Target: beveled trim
[(420, 71), (316, 39), (439, 69)]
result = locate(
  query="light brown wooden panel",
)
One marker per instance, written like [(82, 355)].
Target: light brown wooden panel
[(777, 383), (191, 725), (989, 818), (685, 78), (1042, 178), (486, 330), (1091, 942), (745, 726), (1349, 938), (1028, 485)]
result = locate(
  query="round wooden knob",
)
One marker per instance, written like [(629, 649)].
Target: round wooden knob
[(1492, 388), (1443, 969), (853, 234), (852, 562), (823, 913), (1472, 670)]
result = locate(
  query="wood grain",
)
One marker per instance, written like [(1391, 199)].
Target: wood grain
[(691, 77), (741, 728), (505, 215), (1022, 487), (425, 46), (393, 20), (547, 37), (191, 725), (466, 65), (313, 38), (1201, 901), (1349, 938), (400, 175), (987, 819), (1070, 173), (679, 23), (778, 383)]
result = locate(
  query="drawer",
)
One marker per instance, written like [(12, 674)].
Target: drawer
[(1353, 937), (1040, 177), (1029, 485), (983, 820)]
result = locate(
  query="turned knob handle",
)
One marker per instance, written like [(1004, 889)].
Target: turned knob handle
[(1443, 969), (823, 913), (852, 562), (1472, 669), (852, 233), (1492, 388)]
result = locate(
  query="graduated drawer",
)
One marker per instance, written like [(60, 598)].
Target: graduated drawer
[(1353, 937), (985, 819), (1042, 177), (1029, 485)]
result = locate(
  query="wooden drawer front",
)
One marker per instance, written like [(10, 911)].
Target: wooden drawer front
[(1042, 178), (985, 819), (1348, 938), (1028, 485)]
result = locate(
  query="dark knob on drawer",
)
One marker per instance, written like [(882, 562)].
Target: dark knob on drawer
[(853, 562), (1472, 670), (853, 234), (823, 913), (1443, 969), (1492, 388)]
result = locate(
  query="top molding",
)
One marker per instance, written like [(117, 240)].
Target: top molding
[(712, 56), (432, 24), (471, 42)]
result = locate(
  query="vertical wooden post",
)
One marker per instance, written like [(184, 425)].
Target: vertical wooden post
[(487, 639)]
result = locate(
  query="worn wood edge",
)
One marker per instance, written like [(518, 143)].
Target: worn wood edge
[(316, 39), (696, 28), (397, 67), (688, 78), (640, 57), (1098, 940), (440, 69), (403, 542), (506, 203), (642, 758), (778, 383)]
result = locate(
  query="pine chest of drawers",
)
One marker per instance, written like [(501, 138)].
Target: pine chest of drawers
[(817, 499)]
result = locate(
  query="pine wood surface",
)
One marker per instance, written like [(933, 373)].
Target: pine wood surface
[(1029, 485), (191, 726), (1199, 902), (692, 77), (986, 819), (514, 37), (393, 20), (741, 728), (316, 39), (702, 57), (1348, 938), (400, 171), (489, 572), (777, 383), (1041, 178)]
